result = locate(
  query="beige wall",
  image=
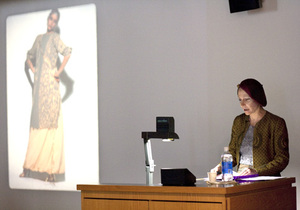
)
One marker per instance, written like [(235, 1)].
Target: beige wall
[(178, 58)]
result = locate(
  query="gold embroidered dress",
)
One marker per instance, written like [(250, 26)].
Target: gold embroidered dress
[(45, 152)]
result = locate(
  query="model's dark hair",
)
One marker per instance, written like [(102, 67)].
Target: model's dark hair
[(55, 11)]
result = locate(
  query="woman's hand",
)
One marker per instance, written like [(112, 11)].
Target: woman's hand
[(248, 171), (217, 169), (30, 65), (56, 76), (61, 68)]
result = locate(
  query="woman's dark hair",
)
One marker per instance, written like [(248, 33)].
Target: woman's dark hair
[(255, 90), (55, 11)]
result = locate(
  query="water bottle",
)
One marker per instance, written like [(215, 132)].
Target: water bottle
[(227, 172)]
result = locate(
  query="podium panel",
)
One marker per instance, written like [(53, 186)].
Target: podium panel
[(159, 205), (264, 195), (115, 204)]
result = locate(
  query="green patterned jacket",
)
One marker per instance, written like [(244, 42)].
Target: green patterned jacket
[(270, 143)]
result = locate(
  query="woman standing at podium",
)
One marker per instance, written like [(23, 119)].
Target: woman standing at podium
[(259, 139)]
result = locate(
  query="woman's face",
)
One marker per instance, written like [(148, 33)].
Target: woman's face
[(52, 22), (249, 105)]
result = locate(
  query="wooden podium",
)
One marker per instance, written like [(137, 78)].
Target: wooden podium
[(276, 194)]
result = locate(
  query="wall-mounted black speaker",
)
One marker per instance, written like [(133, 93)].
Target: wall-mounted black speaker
[(244, 5)]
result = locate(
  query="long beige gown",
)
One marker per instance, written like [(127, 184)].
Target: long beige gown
[(45, 158)]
